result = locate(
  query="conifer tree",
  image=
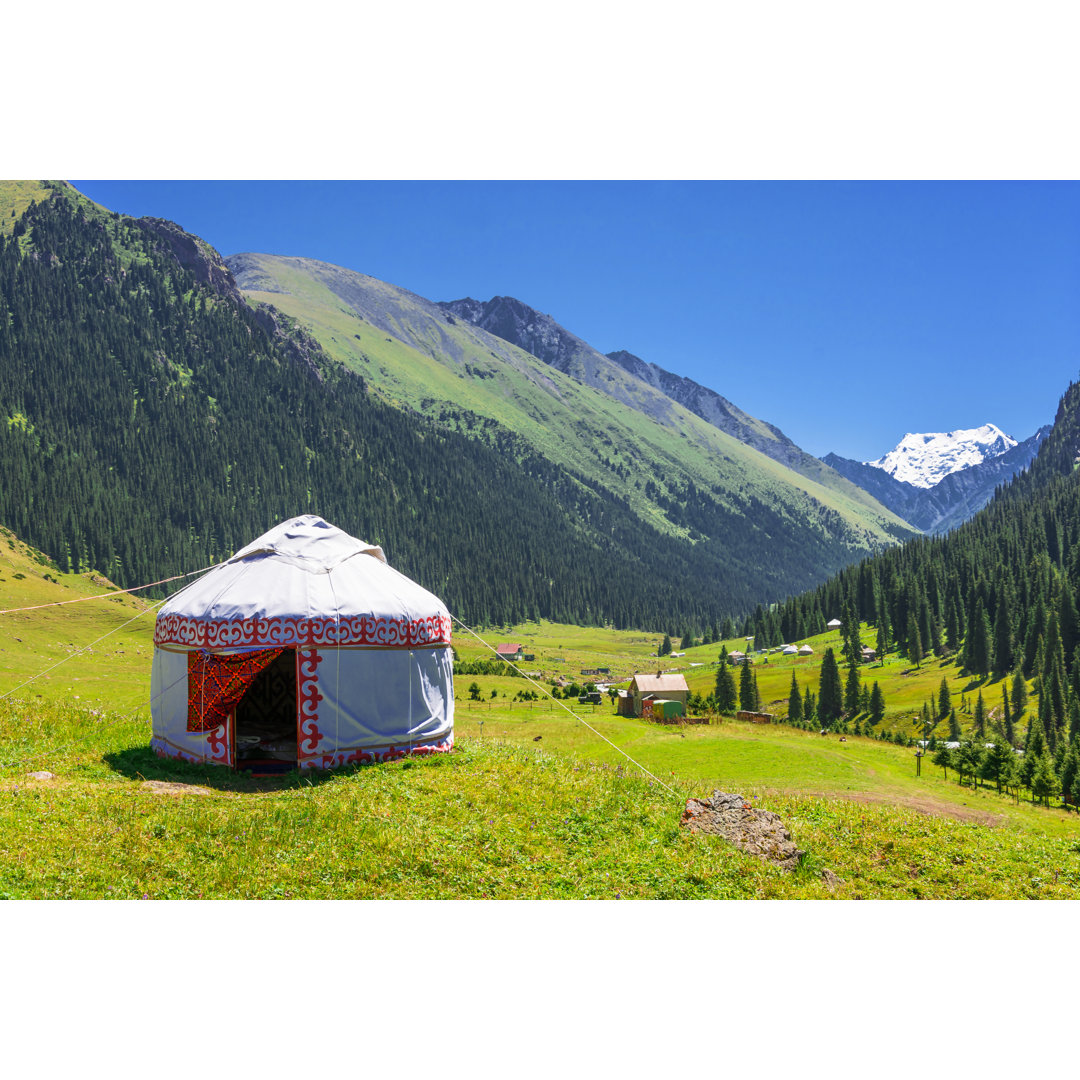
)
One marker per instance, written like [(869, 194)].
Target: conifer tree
[(1010, 730), (852, 690), (1044, 781), (969, 760), (980, 716), (944, 699), (794, 708), (996, 762), (665, 646), (1019, 694), (954, 726), (724, 691), (952, 626), (1069, 768), (977, 643), (852, 647), (1003, 650), (747, 700), (1010, 773), (1068, 621), (884, 629), (943, 757), (830, 700), (1034, 747), (937, 645), (914, 640)]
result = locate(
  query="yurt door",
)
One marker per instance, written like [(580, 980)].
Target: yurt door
[(266, 718)]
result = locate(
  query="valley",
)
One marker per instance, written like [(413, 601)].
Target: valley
[(160, 405)]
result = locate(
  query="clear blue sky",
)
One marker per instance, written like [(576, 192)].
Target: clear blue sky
[(847, 313)]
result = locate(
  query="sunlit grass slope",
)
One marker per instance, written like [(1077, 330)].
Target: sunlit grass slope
[(49, 653), (415, 355), (491, 819)]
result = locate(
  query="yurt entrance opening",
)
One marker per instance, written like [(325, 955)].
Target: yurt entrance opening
[(266, 718)]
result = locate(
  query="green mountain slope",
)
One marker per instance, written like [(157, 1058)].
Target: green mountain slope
[(152, 422), (643, 386), (626, 437)]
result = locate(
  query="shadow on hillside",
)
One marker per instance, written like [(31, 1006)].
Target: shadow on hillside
[(141, 763)]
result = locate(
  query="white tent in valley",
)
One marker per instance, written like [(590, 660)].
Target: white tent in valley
[(305, 649)]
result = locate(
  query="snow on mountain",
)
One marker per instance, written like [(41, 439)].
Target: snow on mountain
[(924, 459)]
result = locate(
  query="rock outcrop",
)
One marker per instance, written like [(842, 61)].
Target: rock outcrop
[(756, 832), (193, 254)]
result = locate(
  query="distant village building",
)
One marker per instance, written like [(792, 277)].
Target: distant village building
[(508, 652), (868, 653), (805, 650), (736, 657), (834, 624), (790, 650), (658, 688)]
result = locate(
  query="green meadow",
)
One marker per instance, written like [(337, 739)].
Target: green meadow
[(532, 803)]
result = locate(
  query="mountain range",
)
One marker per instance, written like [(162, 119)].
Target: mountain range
[(580, 408), (560, 481), (163, 405)]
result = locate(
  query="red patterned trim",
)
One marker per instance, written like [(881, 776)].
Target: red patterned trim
[(358, 756), (308, 735), (296, 631), (165, 749), (218, 741), (216, 744)]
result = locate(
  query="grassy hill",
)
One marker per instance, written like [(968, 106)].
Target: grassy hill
[(625, 435), (113, 674)]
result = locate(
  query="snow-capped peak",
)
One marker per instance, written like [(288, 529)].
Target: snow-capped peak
[(925, 459)]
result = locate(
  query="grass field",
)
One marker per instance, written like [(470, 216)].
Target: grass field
[(532, 803), (497, 818)]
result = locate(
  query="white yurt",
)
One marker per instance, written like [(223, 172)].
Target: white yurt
[(306, 649)]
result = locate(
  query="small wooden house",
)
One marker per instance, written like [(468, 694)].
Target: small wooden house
[(670, 687)]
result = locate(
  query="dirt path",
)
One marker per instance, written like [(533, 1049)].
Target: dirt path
[(923, 806)]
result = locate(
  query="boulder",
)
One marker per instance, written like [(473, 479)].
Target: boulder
[(756, 832)]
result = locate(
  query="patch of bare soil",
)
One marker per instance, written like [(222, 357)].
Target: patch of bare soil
[(169, 787), (926, 806)]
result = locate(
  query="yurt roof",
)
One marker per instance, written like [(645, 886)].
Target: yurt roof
[(303, 582)]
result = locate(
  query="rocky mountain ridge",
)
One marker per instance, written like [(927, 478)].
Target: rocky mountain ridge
[(539, 334)]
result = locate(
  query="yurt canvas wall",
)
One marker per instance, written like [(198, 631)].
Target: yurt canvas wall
[(306, 646)]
